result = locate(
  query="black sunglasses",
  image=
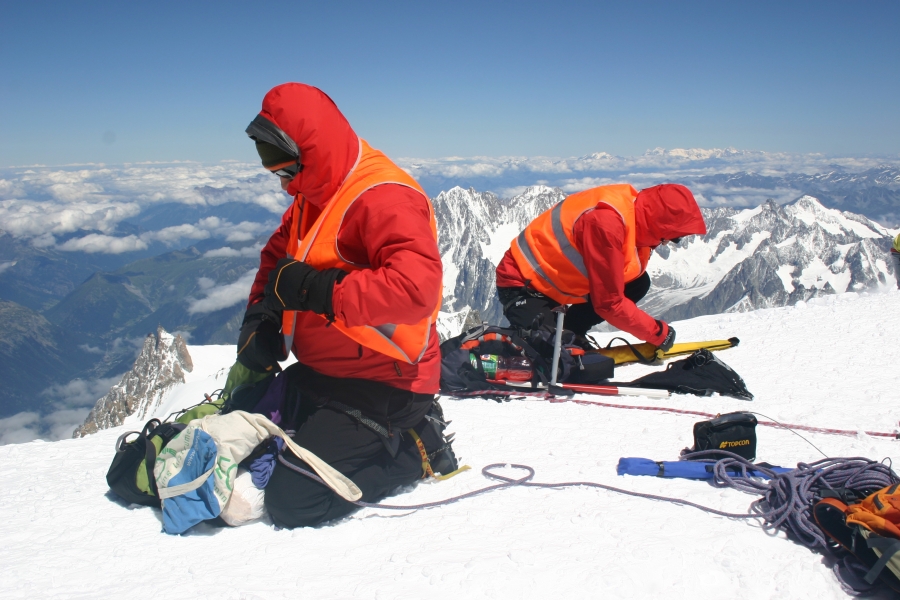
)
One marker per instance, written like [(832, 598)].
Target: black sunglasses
[(290, 171)]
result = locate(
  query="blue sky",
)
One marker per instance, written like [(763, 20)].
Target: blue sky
[(138, 81)]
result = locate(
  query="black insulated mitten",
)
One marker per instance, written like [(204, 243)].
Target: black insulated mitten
[(295, 285), (260, 343), (669, 340)]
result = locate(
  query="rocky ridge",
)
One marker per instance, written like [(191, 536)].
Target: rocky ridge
[(161, 365)]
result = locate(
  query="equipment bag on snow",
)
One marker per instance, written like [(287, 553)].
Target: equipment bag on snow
[(575, 364), (197, 469), (463, 358), (701, 374), (870, 530), (130, 475), (734, 432)]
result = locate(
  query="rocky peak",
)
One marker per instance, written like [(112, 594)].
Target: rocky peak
[(161, 365)]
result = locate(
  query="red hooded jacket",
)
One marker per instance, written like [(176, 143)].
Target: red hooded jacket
[(387, 227), (661, 212)]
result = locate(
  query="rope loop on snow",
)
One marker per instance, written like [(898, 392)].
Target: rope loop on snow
[(525, 481)]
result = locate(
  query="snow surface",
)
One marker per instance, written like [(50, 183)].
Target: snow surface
[(830, 363)]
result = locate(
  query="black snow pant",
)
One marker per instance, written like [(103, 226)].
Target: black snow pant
[(356, 426), (528, 309)]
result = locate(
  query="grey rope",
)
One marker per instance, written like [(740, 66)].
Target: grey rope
[(525, 481), (786, 498)]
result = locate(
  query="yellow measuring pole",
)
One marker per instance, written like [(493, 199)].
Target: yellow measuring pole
[(624, 354)]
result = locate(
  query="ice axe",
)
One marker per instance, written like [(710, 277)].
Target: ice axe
[(557, 342)]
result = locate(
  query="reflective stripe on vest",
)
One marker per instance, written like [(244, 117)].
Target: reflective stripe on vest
[(546, 254), (317, 245)]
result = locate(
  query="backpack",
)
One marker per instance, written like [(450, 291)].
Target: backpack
[(870, 530), (459, 374), (701, 374), (130, 475)]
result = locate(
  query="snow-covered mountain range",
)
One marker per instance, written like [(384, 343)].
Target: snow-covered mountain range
[(771, 255)]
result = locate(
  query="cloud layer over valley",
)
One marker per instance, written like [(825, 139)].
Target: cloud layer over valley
[(114, 210)]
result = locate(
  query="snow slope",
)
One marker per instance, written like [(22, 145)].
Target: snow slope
[(829, 363)]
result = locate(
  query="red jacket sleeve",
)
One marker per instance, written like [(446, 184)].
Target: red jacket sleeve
[(388, 229), (599, 235), (274, 250)]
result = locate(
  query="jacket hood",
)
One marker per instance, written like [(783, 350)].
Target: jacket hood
[(328, 146), (664, 212)]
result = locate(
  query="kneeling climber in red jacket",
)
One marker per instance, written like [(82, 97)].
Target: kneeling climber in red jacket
[(591, 251), (351, 283)]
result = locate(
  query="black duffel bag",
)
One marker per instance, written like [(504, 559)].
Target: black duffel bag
[(733, 432)]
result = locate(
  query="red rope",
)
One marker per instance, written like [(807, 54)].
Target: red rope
[(703, 414)]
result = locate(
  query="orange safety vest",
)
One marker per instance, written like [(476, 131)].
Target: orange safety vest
[(545, 251), (316, 245)]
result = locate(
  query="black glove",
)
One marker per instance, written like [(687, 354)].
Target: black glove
[(294, 285), (669, 340), (260, 343)]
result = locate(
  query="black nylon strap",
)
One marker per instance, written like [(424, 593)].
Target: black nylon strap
[(888, 549), (358, 416), (640, 357)]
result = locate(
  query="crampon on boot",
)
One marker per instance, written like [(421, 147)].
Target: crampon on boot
[(438, 459)]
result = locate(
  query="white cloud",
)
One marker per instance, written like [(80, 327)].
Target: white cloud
[(244, 231), (7, 264), (60, 425), (107, 244), (273, 202), (29, 426), (226, 252), (43, 203), (20, 428), (74, 399), (11, 189), (504, 175), (172, 235), (38, 202), (224, 296), (43, 241), (28, 218), (91, 349), (81, 392), (75, 192)]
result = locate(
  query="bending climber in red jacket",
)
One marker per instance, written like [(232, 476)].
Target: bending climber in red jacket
[(351, 283), (591, 251)]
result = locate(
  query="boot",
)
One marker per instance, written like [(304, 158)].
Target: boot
[(437, 445)]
